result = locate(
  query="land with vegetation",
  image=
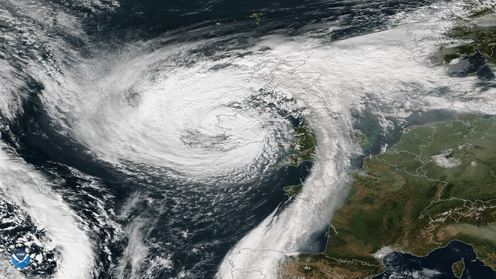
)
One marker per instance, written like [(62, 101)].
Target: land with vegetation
[(293, 191), (302, 147), (437, 184), (458, 268)]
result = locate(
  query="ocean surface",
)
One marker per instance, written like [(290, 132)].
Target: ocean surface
[(437, 264)]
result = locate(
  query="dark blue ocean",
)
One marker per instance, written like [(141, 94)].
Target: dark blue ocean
[(437, 264)]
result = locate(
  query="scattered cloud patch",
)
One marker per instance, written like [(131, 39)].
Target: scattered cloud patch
[(444, 162), (382, 252)]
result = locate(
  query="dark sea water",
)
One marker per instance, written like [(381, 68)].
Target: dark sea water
[(437, 264), (144, 221)]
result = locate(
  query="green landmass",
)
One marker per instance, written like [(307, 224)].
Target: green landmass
[(478, 32), (359, 138), (293, 191), (458, 268), (257, 16), (302, 144), (437, 184)]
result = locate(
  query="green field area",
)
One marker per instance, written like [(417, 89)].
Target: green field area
[(303, 145), (436, 185), (458, 268), (293, 191)]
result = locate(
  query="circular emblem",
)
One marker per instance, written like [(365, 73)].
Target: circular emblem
[(20, 259)]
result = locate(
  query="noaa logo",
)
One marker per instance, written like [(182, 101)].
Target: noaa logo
[(20, 259)]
